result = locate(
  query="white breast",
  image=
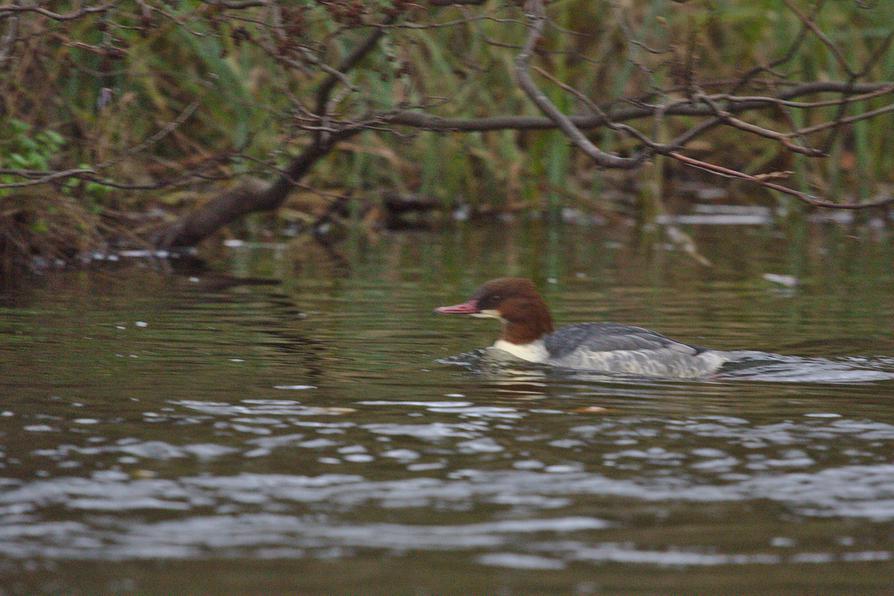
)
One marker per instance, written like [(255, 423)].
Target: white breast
[(532, 352)]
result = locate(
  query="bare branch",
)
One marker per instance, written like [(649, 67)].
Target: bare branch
[(438, 123), (44, 177), (848, 120), (198, 225), (338, 74), (765, 182), (237, 4), (155, 138), (595, 109), (9, 9), (810, 24), (537, 16), (884, 90), (230, 206), (726, 118)]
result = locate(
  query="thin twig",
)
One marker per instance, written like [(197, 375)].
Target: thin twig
[(536, 17), (8, 9), (764, 181)]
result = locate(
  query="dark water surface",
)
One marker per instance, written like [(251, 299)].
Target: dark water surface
[(327, 433)]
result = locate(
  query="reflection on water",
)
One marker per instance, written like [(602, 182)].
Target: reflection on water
[(328, 417)]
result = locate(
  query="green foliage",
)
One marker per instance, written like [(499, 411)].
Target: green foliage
[(23, 148), (28, 149), (39, 151)]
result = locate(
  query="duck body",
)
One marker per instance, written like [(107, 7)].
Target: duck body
[(604, 347)]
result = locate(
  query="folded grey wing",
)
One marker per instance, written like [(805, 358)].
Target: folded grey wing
[(607, 337)]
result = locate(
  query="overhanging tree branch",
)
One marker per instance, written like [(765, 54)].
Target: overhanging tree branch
[(536, 14), (7, 10), (245, 199), (435, 123), (231, 206)]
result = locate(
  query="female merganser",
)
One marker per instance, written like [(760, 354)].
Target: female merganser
[(607, 347)]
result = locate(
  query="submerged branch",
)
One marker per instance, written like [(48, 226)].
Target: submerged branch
[(247, 198)]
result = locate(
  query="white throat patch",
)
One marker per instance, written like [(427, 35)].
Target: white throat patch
[(489, 314), (532, 352)]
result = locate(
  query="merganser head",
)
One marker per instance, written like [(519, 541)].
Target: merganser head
[(512, 300)]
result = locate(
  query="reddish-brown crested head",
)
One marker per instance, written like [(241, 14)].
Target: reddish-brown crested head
[(513, 300)]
